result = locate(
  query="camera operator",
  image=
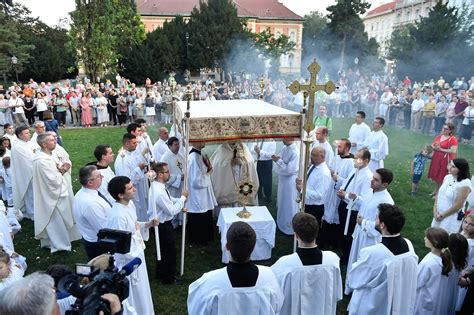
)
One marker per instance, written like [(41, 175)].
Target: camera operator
[(123, 216), (35, 295)]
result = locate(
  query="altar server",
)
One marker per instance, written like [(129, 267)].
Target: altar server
[(262, 152), (357, 183), (105, 156), (359, 132), (321, 140), (22, 155), (286, 167), (123, 217), (160, 147), (310, 278), (365, 233), (377, 143), (384, 277), (201, 201), (240, 288), (131, 165)]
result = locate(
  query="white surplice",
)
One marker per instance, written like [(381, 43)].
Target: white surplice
[(107, 174), (343, 167), (54, 222), (383, 283), (126, 164), (365, 233), (328, 152), (124, 218), (359, 185), (22, 154), (213, 294), (159, 148), (311, 289), (287, 169), (432, 293), (201, 195), (377, 142), (358, 134)]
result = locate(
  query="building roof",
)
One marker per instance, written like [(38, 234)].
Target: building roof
[(263, 9), (384, 8)]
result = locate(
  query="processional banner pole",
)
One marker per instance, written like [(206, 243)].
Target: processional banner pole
[(308, 89), (187, 116)]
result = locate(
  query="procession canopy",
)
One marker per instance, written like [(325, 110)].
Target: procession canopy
[(231, 120)]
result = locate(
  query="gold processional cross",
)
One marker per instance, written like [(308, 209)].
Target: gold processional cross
[(311, 88)]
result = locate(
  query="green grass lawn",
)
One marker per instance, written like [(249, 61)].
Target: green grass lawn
[(80, 144)]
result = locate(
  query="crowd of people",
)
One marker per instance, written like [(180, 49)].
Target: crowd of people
[(348, 206)]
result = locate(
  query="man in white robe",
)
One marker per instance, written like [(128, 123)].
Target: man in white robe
[(343, 166), (322, 141), (123, 217), (286, 167), (262, 152), (202, 200), (22, 155), (175, 162), (232, 163), (240, 288), (131, 165), (310, 278), (105, 156), (39, 129), (383, 278), (356, 183), (365, 234), (377, 143), (359, 132), (160, 147), (54, 222)]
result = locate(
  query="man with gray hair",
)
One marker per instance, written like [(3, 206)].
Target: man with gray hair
[(35, 295), (39, 129), (32, 295), (53, 198), (161, 147), (90, 209)]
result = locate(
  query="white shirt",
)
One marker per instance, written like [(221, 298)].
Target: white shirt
[(90, 212), (417, 105), (17, 105), (159, 149), (166, 206), (107, 174), (318, 184)]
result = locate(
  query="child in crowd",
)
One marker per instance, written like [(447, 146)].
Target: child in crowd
[(9, 271), (467, 230), (418, 166)]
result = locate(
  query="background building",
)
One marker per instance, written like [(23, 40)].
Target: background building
[(260, 14)]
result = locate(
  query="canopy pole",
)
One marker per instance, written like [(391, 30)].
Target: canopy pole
[(187, 115)]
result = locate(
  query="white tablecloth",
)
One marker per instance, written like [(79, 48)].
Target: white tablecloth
[(260, 220)]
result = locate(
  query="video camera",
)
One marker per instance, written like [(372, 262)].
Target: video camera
[(111, 280)]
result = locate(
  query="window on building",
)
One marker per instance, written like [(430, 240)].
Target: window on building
[(277, 35), (293, 37)]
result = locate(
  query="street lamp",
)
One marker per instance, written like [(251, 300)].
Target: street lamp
[(14, 63)]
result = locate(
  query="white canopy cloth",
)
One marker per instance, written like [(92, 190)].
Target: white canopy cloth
[(261, 221), (220, 121)]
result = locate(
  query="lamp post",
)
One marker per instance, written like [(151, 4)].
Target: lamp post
[(187, 45), (14, 63)]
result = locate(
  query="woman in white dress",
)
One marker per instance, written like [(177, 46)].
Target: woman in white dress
[(452, 196), (433, 274), (102, 115)]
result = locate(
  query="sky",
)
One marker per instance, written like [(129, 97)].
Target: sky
[(50, 11)]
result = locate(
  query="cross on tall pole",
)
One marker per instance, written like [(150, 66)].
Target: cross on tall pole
[(309, 89)]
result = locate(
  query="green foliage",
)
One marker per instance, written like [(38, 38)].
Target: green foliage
[(11, 44), (439, 44), (99, 28), (211, 29), (339, 37)]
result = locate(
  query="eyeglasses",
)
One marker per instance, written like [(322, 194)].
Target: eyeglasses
[(94, 178)]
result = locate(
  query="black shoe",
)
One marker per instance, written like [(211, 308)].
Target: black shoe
[(173, 282)]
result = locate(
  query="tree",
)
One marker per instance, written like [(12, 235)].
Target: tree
[(99, 28), (211, 29), (346, 25), (439, 44), (11, 45)]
